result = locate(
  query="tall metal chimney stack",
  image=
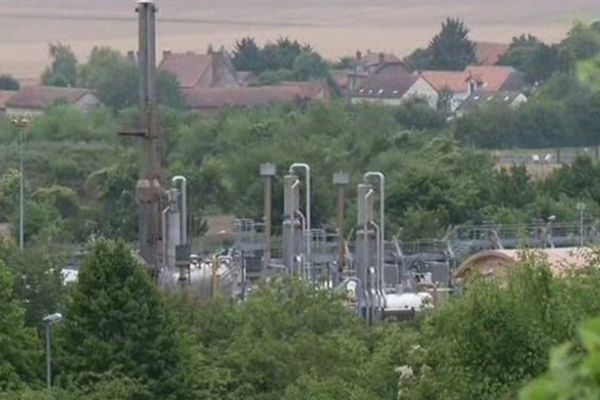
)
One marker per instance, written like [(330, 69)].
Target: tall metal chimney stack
[(149, 194)]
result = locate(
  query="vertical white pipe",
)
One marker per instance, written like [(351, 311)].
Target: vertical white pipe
[(308, 225), (381, 178)]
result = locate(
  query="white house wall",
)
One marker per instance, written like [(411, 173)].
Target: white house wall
[(422, 89), (378, 100), (16, 112)]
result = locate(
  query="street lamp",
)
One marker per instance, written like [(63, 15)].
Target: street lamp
[(50, 320), (21, 123)]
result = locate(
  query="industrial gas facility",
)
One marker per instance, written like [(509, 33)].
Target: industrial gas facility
[(382, 277)]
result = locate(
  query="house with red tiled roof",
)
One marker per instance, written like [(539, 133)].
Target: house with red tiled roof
[(454, 82), (212, 99), (490, 53), (35, 100), (495, 78), (193, 70), (475, 78), (392, 84)]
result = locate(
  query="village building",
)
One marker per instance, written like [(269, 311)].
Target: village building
[(495, 78), (478, 99), (475, 79), (214, 69), (213, 99), (454, 84), (364, 65), (392, 84), (35, 100)]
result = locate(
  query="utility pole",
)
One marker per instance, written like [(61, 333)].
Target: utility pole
[(267, 171), (150, 196)]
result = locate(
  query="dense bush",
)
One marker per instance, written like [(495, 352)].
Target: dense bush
[(496, 338)]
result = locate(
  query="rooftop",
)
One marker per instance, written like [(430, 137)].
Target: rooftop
[(42, 97), (253, 96), (490, 53), (390, 80), (496, 77), (187, 67), (454, 81)]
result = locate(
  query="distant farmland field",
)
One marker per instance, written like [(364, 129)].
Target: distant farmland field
[(334, 27)]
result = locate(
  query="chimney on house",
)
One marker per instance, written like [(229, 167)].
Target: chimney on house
[(166, 53), (358, 55), (381, 58)]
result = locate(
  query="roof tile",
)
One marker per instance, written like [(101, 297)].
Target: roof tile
[(42, 97)]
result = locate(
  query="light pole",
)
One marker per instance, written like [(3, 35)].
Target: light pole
[(581, 208), (50, 320), (21, 123)]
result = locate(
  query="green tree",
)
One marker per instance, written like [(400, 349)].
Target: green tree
[(283, 53), (582, 42), (451, 49), (113, 77), (38, 280), (309, 66), (118, 319), (8, 82), (572, 374), (19, 349), (496, 338), (416, 114), (531, 56), (114, 212), (247, 55), (115, 80), (419, 60), (63, 69)]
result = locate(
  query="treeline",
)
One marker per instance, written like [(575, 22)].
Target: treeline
[(433, 180), (282, 60), (562, 107), (124, 339), (564, 97), (113, 76)]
